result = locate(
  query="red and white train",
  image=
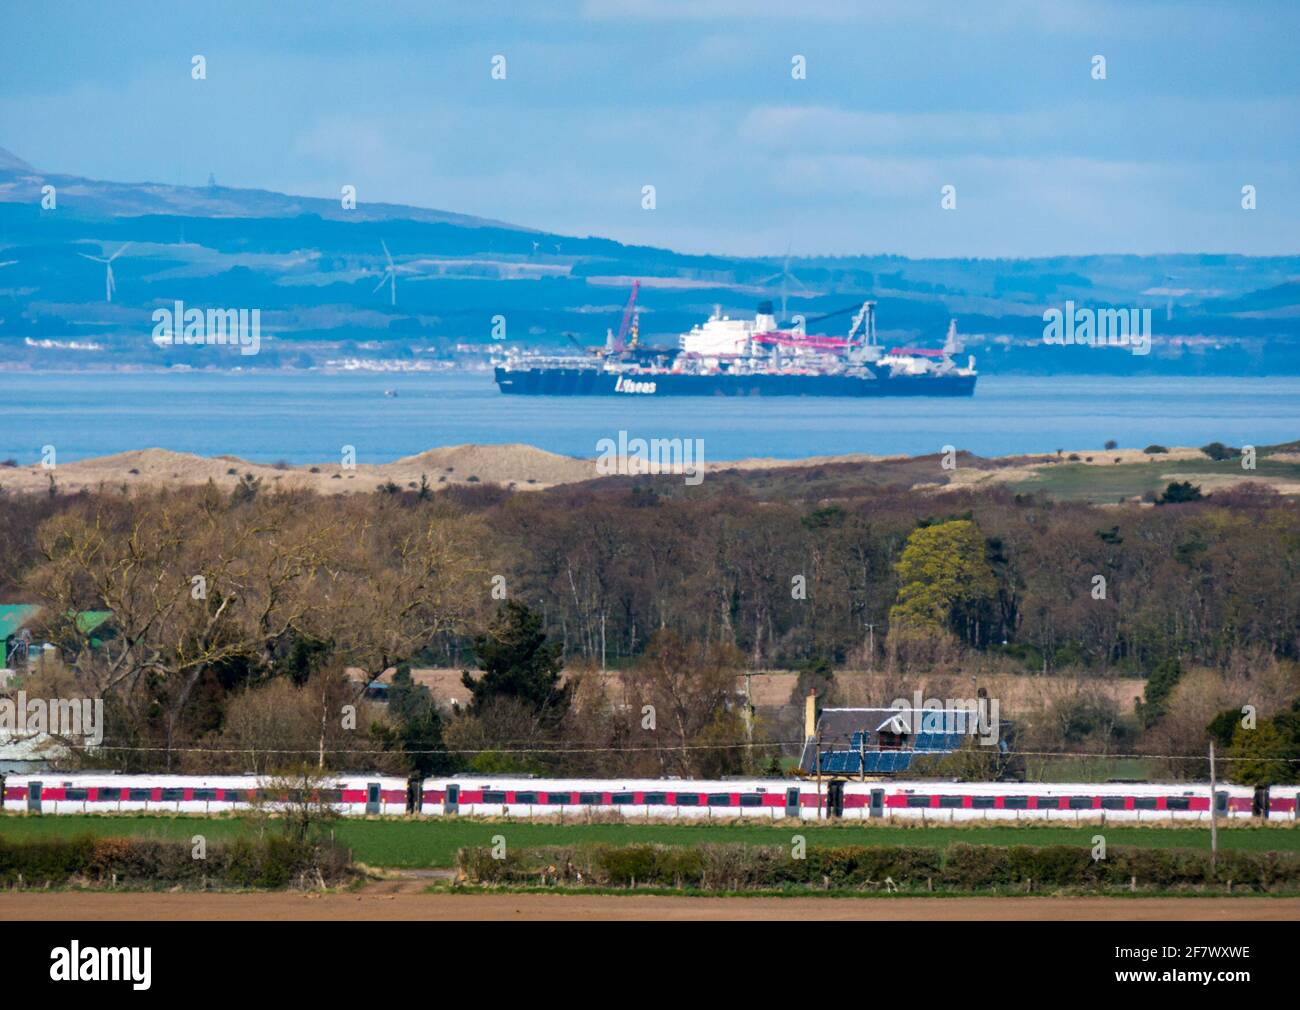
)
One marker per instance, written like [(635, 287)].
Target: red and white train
[(361, 794)]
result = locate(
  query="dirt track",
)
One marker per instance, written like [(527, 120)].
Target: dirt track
[(397, 901)]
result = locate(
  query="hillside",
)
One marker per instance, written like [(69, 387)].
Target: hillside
[(319, 274)]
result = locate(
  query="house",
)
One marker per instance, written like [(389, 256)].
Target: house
[(29, 753), (15, 637), (862, 742)]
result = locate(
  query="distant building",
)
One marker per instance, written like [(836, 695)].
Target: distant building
[(15, 636), (30, 753), (22, 652), (867, 742)]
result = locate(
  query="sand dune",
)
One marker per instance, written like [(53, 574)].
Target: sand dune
[(523, 467)]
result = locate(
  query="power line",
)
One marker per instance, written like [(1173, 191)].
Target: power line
[(673, 747)]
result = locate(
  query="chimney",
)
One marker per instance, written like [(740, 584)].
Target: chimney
[(810, 715)]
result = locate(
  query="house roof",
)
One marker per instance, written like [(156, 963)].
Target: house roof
[(848, 738), (14, 615), (89, 620)]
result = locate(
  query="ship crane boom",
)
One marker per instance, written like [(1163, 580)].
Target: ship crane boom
[(620, 342)]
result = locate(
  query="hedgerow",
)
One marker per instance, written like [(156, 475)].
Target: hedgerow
[(738, 867), (273, 861)]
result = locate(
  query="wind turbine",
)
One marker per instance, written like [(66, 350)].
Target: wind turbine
[(390, 275), (109, 284), (1170, 293), (786, 276)]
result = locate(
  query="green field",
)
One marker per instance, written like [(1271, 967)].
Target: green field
[(433, 843), (1099, 483)]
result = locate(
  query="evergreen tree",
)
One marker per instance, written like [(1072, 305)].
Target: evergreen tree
[(518, 662), (419, 725), (1159, 686), (1178, 492)]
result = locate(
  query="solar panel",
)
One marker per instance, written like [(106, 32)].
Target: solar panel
[(902, 761)]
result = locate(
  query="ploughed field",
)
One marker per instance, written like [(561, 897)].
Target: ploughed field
[(390, 901), (433, 843)]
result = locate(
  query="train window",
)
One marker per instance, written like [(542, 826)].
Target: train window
[(950, 802), (1144, 803), (234, 795), (1112, 803), (751, 800), (109, 793), (75, 794), (141, 794), (1015, 802), (982, 802), (1080, 802), (295, 796), (559, 798), (529, 798), (688, 799), (1178, 803), (331, 795), (591, 799), (654, 799), (205, 794), (623, 797), (493, 796), (719, 799), (918, 801), (172, 795)]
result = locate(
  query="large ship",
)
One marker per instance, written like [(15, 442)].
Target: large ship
[(745, 357)]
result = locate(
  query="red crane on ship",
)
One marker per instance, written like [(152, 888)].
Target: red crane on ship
[(628, 319), (820, 341)]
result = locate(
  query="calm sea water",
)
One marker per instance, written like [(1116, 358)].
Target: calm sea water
[(306, 417)]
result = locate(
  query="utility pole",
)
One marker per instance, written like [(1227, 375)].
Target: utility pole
[(749, 722), (871, 647), (1214, 828)]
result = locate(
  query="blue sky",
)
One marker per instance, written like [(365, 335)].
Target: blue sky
[(696, 98)]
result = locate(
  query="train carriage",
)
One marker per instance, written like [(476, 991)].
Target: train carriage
[(360, 794), (107, 793)]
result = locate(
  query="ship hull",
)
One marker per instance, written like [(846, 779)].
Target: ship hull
[(595, 382)]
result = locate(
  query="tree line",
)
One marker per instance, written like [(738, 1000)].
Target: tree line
[(246, 623)]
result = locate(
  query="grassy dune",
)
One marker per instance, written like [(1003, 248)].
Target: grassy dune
[(1107, 484)]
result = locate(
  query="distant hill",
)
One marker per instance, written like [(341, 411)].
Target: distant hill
[(21, 183), (319, 275)]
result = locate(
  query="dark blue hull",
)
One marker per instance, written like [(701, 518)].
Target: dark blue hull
[(594, 382)]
